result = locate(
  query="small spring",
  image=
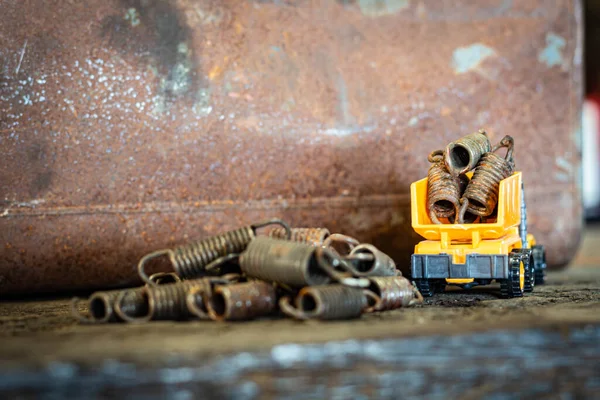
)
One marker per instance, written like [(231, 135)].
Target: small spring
[(131, 304), (376, 262), (196, 303), (198, 297), (313, 236), (292, 263), (481, 196), (336, 240), (463, 155), (170, 301), (241, 301), (394, 292), (164, 301), (190, 260), (342, 246), (327, 302), (444, 189), (161, 278), (101, 305)]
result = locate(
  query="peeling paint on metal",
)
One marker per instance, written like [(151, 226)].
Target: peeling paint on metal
[(347, 130), (465, 59), (562, 177), (551, 55), (565, 174), (378, 8), (344, 103), (202, 105), (564, 164), (132, 16)]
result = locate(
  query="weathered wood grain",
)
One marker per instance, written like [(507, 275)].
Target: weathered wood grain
[(467, 345)]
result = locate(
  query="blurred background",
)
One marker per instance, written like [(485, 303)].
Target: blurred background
[(591, 120)]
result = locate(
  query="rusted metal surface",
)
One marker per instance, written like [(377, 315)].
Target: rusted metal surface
[(128, 126)]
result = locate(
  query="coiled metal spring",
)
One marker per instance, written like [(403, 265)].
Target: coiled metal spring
[(190, 260), (481, 196), (327, 302), (394, 292), (464, 154), (101, 305), (368, 260), (198, 297), (313, 236), (169, 301), (241, 301), (444, 190), (166, 302), (293, 264)]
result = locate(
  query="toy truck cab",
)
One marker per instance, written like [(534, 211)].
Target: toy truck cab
[(467, 255)]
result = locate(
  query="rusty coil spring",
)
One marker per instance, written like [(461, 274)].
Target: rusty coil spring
[(165, 302), (197, 297), (342, 246), (327, 302), (368, 260), (313, 236), (464, 154), (190, 260), (481, 196), (101, 305), (293, 264), (394, 292), (444, 190), (241, 301), (170, 301), (161, 278)]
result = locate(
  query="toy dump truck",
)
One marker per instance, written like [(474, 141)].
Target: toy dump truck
[(472, 254)]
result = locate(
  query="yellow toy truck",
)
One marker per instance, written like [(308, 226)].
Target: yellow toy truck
[(474, 254)]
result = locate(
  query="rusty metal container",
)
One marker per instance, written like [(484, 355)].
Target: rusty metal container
[(127, 126)]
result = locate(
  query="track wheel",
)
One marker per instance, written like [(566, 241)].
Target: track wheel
[(514, 286), (527, 257), (539, 264), (426, 287)]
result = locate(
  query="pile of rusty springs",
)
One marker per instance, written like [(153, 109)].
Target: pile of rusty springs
[(456, 196), (302, 273)]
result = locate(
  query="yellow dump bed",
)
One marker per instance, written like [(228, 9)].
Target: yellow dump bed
[(509, 214)]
